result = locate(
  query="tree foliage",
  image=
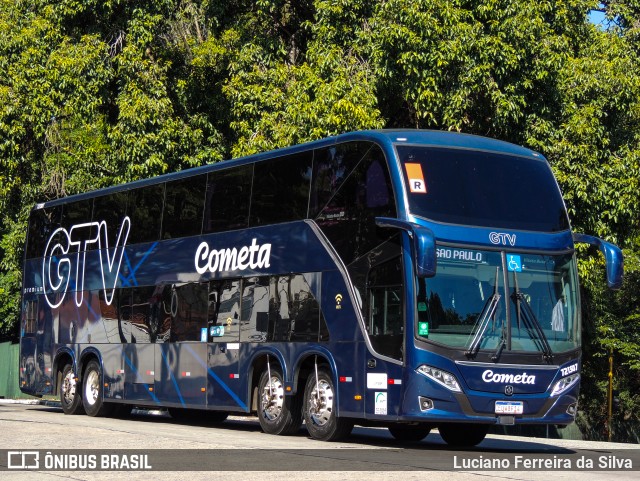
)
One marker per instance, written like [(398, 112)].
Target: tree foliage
[(94, 93)]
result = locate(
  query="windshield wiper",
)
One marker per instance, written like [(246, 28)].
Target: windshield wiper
[(531, 323), (501, 346), (482, 322)]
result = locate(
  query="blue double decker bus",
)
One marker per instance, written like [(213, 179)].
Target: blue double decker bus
[(406, 279)]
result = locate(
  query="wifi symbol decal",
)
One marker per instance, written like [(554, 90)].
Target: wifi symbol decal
[(338, 301)]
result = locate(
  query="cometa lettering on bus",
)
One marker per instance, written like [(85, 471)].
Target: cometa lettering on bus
[(223, 260)]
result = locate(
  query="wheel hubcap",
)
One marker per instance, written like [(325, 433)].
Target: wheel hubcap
[(272, 399), (91, 388), (69, 387), (321, 403)]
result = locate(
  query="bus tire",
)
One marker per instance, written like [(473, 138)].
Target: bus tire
[(69, 390), (92, 391), (278, 414), (463, 435), (409, 434), (320, 410)]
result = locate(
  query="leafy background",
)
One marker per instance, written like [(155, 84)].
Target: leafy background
[(99, 92)]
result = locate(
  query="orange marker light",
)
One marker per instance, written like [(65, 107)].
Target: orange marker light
[(357, 397)]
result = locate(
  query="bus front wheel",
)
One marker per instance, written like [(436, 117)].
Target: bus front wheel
[(69, 389), (278, 414), (320, 409), (92, 397), (463, 435)]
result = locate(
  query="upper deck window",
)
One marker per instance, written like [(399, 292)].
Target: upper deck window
[(281, 189), (485, 189), (184, 207)]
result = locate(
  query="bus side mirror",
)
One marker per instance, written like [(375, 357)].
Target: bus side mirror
[(424, 244), (612, 256)]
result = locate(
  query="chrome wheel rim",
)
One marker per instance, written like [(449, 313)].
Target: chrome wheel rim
[(91, 388), (321, 403), (69, 387), (272, 399)]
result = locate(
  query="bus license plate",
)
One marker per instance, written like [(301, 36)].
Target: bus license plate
[(509, 407)]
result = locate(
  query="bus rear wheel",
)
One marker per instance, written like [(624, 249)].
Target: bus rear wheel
[(69, 389), (463, 435), (92, 392), (278, 414), (320, 409)]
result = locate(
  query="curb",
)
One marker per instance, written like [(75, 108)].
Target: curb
[(56, 404), (33, 402)]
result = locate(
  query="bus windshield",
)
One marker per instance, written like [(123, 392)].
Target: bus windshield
[(482, 299), (480, 188)]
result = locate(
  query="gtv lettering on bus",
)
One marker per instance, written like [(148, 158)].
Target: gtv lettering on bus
[(524, 378), (59, 262), (223, 260)]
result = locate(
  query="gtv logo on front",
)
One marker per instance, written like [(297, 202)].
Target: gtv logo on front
[(66, 252)]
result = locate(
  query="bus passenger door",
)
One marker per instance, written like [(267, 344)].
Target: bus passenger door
[(385, 328), (225, 380)]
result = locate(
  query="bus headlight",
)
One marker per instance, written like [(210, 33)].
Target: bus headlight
[(444, 378), (565, 383)]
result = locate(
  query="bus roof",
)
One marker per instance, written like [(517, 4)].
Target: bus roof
[(386, 138)]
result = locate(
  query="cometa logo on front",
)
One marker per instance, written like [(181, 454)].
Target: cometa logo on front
[(524, 378)]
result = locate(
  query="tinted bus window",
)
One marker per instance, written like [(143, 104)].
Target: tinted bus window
[(77, 213), (122, 297), (42, 223), (146, 213), (254, 316), (228, 199), (224, 310), (348, 220), (141, 322), (163, 297), (281, 189), (491, 190), (29, 317), (331, 167), (184, 207), (115, 317), (304, 309), (112, 209), (189, 308), (385, 324)]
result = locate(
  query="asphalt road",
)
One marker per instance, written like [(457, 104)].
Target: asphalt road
[(237, 449)]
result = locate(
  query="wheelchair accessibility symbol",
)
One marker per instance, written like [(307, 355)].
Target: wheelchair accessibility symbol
[(514, 263)]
